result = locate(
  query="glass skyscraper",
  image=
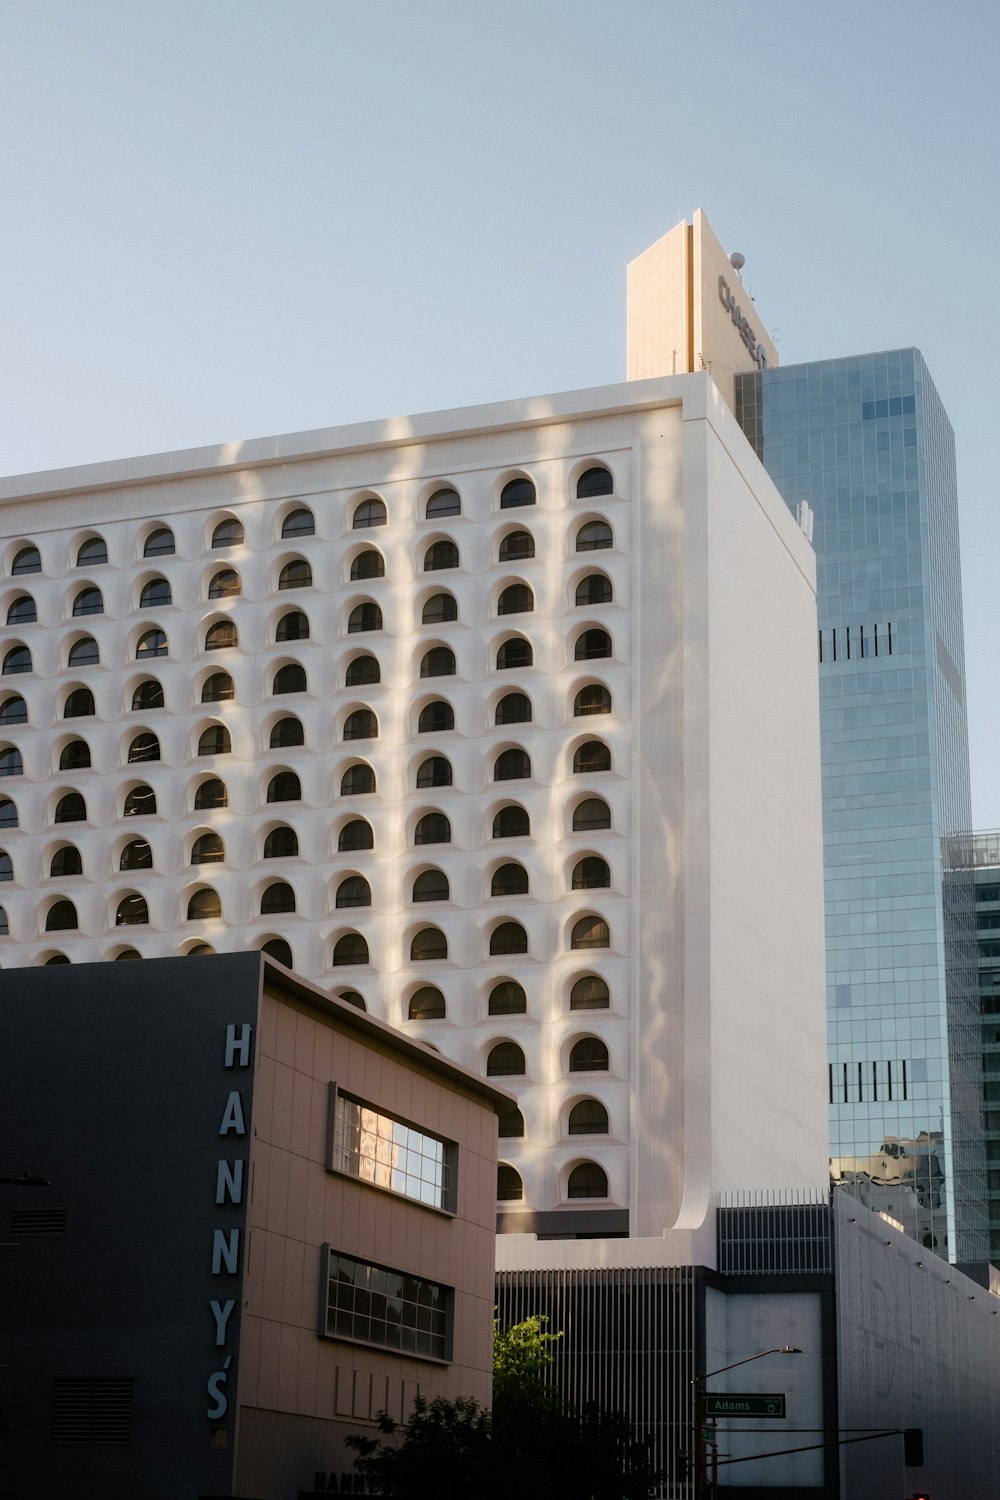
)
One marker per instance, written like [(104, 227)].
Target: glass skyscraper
[(866, 444)]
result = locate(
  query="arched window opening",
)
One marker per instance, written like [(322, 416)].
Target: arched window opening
[(14, 711), (354, 836), (16, 661), (514, 655), (284, 787), (159, 543), (218, 688), (591, 874), (140, 802), (587, 1180), (443, 503), (147, 695), (517, 546), (361, 725), (228, 533), (290, 678), (367, 564), (204, 905), (298, 522), (296, 574), (590, 932), (126, 954), (511, 823), (432, 828), (84, 653), (428, 944), (369, 513), (593, 482), (132, 911), (510, 1125), (592, 645), (520, 491), (75, 756), (594, 589), (441, 555), (426, 1004), (79, 704), (592, 699), (588, 1055), (92, 552), (434, 771), (431, 885), (357, 781), (436, 718), (505, 1060), (28, 560), (354, 891), (439, 661), (71, 808), (225, 584), (136, 855), (507, 938), (208, 849), (23, 612), (11, 762), (152, 594), (591, 756), (364, 617), (151, 643), (281, 843), (222, 636), (516, 599), (593, 536), (509, 880), (512, 765), (352, 997), (8, 813), (215, 740), (350, 949), (211, 793), (588, 1117), (292, 627), (90, 601), (513, 708), (286, 734), (6, 866), (508, 999), (363, 671), (61, 917), (279, 949), (143, 747), (439, 609), (278, 897), (591, 813), (510, 1188), (66, 861), (590, 993)]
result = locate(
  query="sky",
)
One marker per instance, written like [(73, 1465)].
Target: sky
[(228, 218)]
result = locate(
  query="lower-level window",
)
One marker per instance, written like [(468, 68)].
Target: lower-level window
[(376, 1305)]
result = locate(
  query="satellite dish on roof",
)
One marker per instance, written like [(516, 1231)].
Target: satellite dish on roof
[(737, 260)]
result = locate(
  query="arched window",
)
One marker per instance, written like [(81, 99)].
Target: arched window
[(427, 944), (11, 762), (208, 849), (126, 954), (590, 993), (83, 653), (364, 617), (61, 917), (443, 503), (6, 866), (143, 747), (281, 843), (439, 661), (355, 835), (510, 1188), (159, 543), (432, 828), (514, 655), (352, 997), (198, 950), (510, 1125), (292, 627), (136, 855), (369, 513), (151, 595), (8, 813), (592, 644), (284, 787), (204, 905), (57, 958), (131, 911), (509, 880), (290, 678), (221, 636), (516, 599), (225, 584), (593, 536), (218, 688), (286, 734), (368, 564), (588, 1055), (17, 660), (209, 794), (516, 492), (511, 823), (23, 612), (591, 756), (592, 482), (591, 813), (591, 874), (439, 610), (350, 949), (587, 1180), (357, 781), (70, 808), (139, 802), (66, 861), (508, 937), (90, 601), (505, 1060), (277, 897), (75, 756), (79, 704), (215, 740), (590, 932), (296, 574), (507, 999), (426, 1004), (14, 711), (517, 546), (431, 885), (298, 522), (513, 708), (279, 949), (592, 699), (361, 725), (594, 589), (588, 1117), (228, 533), (91, 552), (4, 924), (434, 771), (436, 718), (441, 555), (512, 765), (151, 643), (28, 560), (363, 671), (354, 891)]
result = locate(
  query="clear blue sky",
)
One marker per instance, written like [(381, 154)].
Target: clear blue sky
[(225, 218)]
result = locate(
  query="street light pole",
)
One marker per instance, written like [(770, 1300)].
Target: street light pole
[(698, 1449)]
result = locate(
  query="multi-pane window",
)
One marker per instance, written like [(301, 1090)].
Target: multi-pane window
[(376, 1305), (377, 1148)]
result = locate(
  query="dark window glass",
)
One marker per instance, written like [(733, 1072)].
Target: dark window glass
[(207, 850), (350, 949), (23, 611), (17, 660), (79, 703), (368, 564), (218, 688), (426, 1004), (509, 937), (510, 1124), (435, 771), (508, 999), (61, 917), (354, 891), (592, 756), (510, 1189), (509, 880), (228, 533), (357, 834), (71, 808), (592, 699), (512, 765), (153, 594), (289, 679), (364, 617), (221, 636), (441, 555), (587, 1180), (591, 874), (91, 602), (281, 843), (436, 718), (6, 866), (8, 813), (516, 599), (298, 523), (439, 661), (159, 543), (351, 997), (588, 1117), (296, 574), (592, 812), (519, 491), (148, 694), (132, 911), (428, 943), (363, 671), (593, 536), (14, 711), (431, 885), (286, 734), (590, 932), (505, 1060), (151, 643), (278, 897), (75, 756), (11, 763), (369, 513), (225, 584), (593, 482), (592, 644), (279, 949), (144, 747), (83, 653), (284, 787), (209, 794), (588, 1055), (590, 993), (127, 954), (92, 552), (518, 546), (361, 725), (214, 740), (57, 958), (357, 781), (28, 560), (514, 654), (204, 905), (66, 861), (197, 950), (594, 589), (511, 823), (443, 503), (139, 802), (137, 855), (432, 828), (439, 609), (513, 708), (292, 627)]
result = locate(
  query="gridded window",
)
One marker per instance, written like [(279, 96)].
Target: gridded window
[(14, 711), (510, 1125), (428, 944), (592, 699), (284, 787), (225, 584), (204, 905), (144, 747), (11, 763), (369, 513), (516, 599), (61, 917), (432, 828), (594, 589), (28, 560), (587, 1180), (364, 617), (296, 574), (441, 555), (591, 874), (16, 661), (588, 1055), (355, 835), (147, 695), (8, 813), (439, 609), (131, 911), (286, 734), (511, 823), (591, 756), (91, 552), (211, 793), (215, 740), (513, 708), (222, 636), (591, 645), (139, 802), (71, 808), (590, 932), (591, 813), (218, 688), (159, 543), (278, 897), (290, 678), (439, 661), (507, 938), (83, 653), (426, 1004), (505, 1060), (208, 849), (136, 855), (512, 765), (378, 1148), (510, 1188), (434, 771), (514, 655), (443, 503), (298, 522), (361, 725), (436, 718), (66, 861), (279, 949), (596, 481), (516, 492), (431, 885), (281, 843), (90, 601), (292, 627), (354, 891), (151, 596), (588, 1117), (357, 781), (23, 612), (151, 643), (350, 949), (368, 564), (375, 1305), (517, 546), (509, 880), (507, 999), (593, 536), (228, 533), (79, 704), (362, 672), (75, 756)]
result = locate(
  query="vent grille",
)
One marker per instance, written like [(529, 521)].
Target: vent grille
[(38, 1221), (774, 1240), (92, 1409)]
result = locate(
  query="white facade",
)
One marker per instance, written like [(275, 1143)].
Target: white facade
[(693, 863)]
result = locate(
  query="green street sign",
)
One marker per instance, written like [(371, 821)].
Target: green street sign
[(708, 1433), (738, 1404)]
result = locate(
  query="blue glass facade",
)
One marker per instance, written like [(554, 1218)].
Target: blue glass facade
[(866, 443)]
